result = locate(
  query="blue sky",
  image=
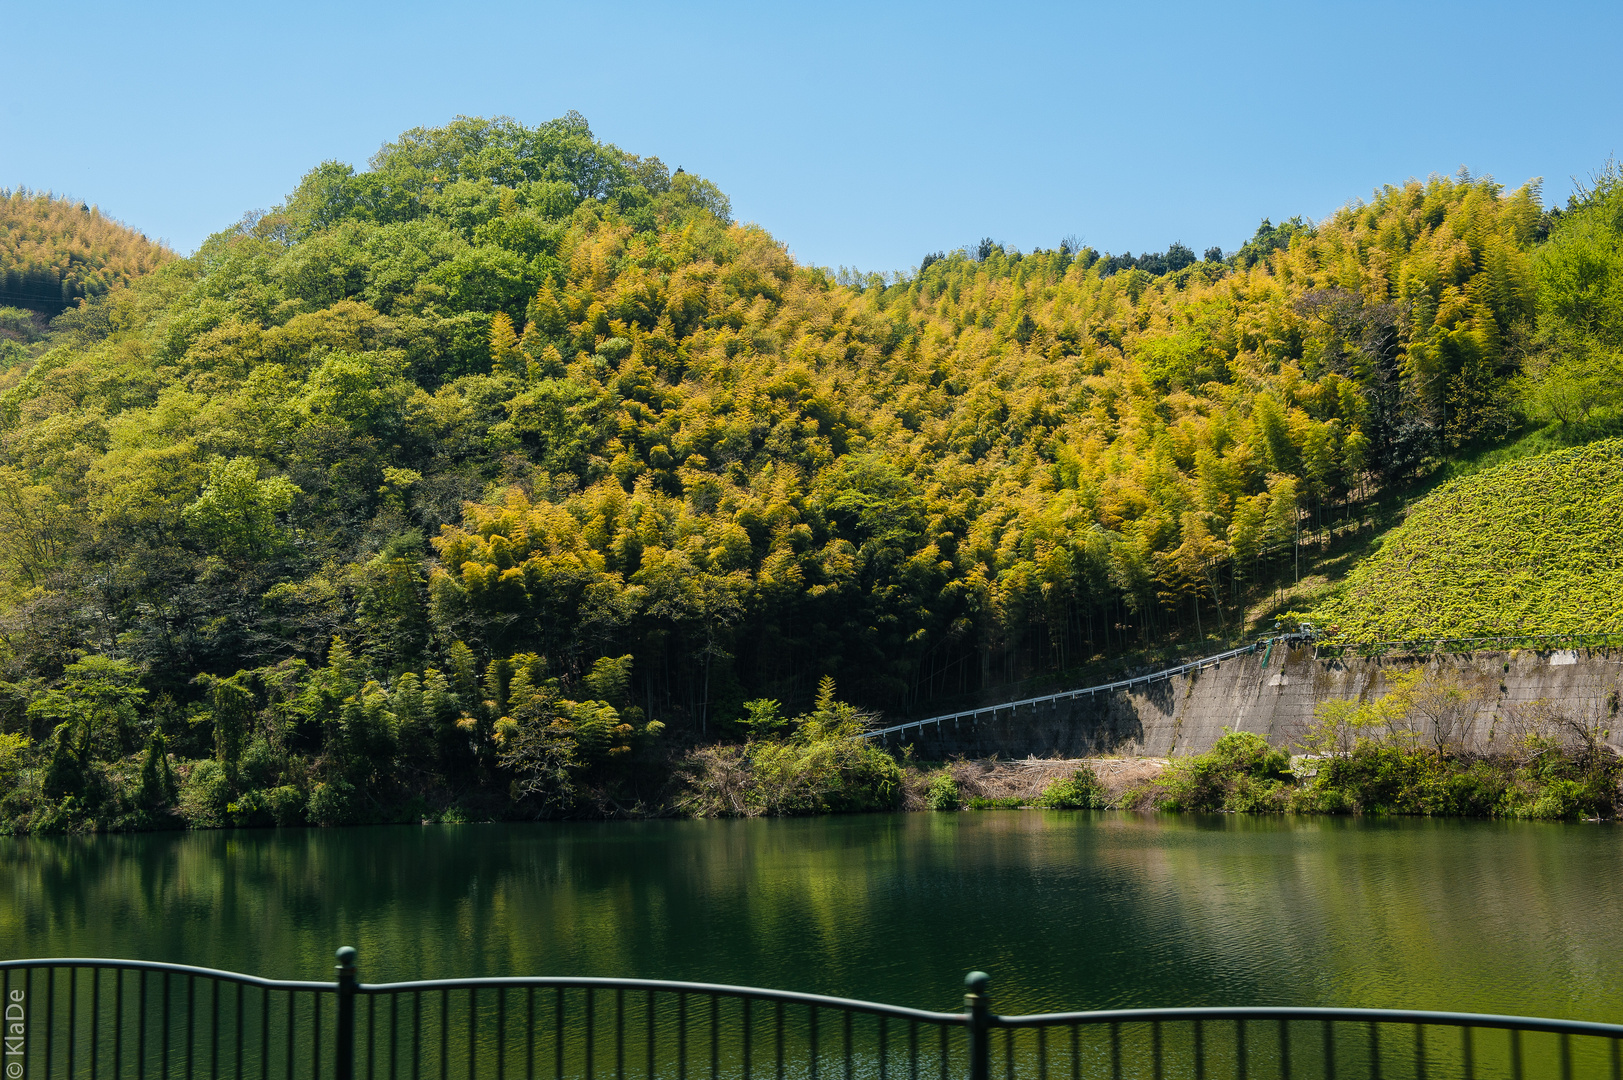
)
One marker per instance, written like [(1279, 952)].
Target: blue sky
[(859, 134)]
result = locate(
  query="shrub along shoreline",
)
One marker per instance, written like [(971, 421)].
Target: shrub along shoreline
[(1242, 774), (1412, 751)]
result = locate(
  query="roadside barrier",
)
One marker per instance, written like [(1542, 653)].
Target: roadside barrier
[(1322, 649), (130, 1019), (1052, 700)]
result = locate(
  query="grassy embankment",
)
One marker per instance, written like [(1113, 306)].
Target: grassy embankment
[(1533, 546)]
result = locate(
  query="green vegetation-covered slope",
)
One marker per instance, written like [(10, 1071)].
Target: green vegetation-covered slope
[(495, 469), (1534, 546), (54, 252)]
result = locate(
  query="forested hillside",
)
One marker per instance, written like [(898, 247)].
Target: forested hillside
[(512, 462), (55, 251)]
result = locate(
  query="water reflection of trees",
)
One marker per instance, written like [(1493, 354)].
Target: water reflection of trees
[(1067, 911)]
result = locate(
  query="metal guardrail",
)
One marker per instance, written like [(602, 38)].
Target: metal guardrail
[(1484, 643), (1322, 649), (127, 1019), (973, 715)]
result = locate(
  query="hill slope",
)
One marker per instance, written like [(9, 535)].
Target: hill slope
[(1532, 546), (54, 251), (369, 484)]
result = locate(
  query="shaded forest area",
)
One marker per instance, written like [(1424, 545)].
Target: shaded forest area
[(55, 252), (503, 472)]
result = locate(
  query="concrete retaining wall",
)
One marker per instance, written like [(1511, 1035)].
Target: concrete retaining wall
[(1187, 714)]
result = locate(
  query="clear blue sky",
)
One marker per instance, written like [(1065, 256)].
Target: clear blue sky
[(860, 134)]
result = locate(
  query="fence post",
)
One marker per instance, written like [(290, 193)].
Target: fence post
[(344, 1067), (978, 1018)]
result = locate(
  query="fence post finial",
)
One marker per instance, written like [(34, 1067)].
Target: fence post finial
[(978, 1018), (344, 1067)]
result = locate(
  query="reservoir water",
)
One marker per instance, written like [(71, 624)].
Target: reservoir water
[(1064, 910)]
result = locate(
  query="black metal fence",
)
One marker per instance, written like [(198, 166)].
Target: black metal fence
[(128, 1020)]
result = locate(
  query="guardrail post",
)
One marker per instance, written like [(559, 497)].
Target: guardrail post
[(344, 1067), (978, 1018)]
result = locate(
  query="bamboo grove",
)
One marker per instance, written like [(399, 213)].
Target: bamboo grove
[(501, 469), (55, 252)]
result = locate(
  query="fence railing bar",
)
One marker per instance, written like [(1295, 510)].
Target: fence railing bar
[(50, 1016), (591, 1040), (394, 1036), (649, 1012), (181, 969), (445, 1034), (748, 1032), (473, 1032), (884, 1051), (191, 1014), (501, 1033), (715, 1037), (163, 1014), (292, 1022), (1269, 1012), (724, 990), (140, 1024), (681, 1036), (558, 1034), (118, 1028), (315, 1036), (95, 1013), (73, 1014), (214, 1029), (849, 1074)]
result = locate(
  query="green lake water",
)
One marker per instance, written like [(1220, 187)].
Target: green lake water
[(1065, 910)]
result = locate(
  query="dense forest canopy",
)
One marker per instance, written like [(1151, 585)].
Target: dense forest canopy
[(515, 454), (55, 251)]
